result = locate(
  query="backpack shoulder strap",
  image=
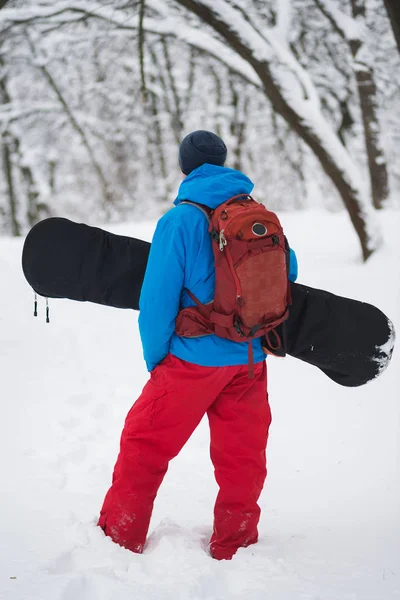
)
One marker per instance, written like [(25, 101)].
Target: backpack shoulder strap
[(204, 210)]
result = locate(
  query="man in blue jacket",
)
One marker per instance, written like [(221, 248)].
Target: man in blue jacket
[(192, 377)]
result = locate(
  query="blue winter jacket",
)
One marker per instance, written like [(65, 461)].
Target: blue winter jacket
[(181, 257)]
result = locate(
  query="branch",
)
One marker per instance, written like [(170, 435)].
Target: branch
[(282, 27), (348, 28), (275, 66), (170, 27), (141, 50), (12, 111), (262, 59)]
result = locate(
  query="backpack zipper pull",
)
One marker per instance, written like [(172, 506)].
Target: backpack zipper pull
[(47, 311), (222, 240), (35, 305)]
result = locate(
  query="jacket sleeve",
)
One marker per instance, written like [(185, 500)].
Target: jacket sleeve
[(161, 291), (293, 266)]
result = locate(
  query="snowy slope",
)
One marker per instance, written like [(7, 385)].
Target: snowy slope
[(330, 527)]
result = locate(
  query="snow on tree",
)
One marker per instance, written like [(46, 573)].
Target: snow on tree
[(101, 95), (353, 31)]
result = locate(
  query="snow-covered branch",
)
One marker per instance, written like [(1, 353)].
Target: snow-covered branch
[(167, 26), (350, 29), (284, 17), (218, 64), (15, 111), (281, 74)]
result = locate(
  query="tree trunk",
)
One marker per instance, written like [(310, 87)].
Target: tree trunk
[(168, 84), (32, 195), (8, 150), (349, 193), (238, 124), (12, 148), (12, 198), (393, 11), (176, 114), (52, 176), (367, 95), (156, 137), (218, 94), (350, 196)]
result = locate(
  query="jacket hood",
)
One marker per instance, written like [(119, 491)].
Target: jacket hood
[(212, 185)]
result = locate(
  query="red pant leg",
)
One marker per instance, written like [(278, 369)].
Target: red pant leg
[(158, 425), (239, 422)]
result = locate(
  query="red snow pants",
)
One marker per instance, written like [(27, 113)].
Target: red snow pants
[(158, 425)]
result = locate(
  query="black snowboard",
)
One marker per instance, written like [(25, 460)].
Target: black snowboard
[(350, 341), (63, 259)]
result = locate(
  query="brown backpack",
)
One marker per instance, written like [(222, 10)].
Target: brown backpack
[(252, 290)]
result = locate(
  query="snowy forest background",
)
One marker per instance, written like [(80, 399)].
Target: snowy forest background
[(95, 97)]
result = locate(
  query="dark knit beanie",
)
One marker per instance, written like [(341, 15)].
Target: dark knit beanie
[(201, 147)]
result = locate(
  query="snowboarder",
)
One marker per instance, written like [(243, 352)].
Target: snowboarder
[(191, 377)]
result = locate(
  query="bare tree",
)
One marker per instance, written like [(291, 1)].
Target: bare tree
[(256, 49), (243, 37)]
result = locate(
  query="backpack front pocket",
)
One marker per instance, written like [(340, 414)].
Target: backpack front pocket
[(190, 323)]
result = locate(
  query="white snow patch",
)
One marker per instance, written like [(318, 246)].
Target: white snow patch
[(330, 518)]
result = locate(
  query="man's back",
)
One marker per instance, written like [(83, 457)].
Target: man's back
[(181, 258)]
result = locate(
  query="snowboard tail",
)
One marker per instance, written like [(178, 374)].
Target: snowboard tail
[(64, 259)]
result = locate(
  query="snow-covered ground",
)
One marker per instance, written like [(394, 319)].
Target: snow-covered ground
[(330, 524)]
